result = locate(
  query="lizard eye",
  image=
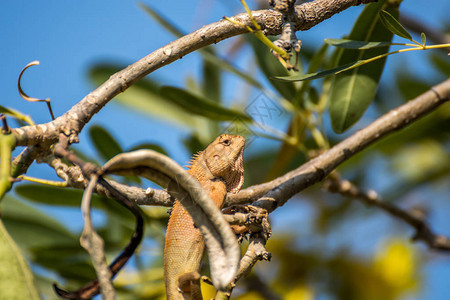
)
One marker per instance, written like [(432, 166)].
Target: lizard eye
[(226, 142)]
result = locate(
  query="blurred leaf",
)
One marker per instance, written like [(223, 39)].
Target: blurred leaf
[(164, 22), (106, 146), (144, 97), (193, 144), (52, 195), (271, 67), (391, 23), (211, 79), (353, 91), (410, 86), (441, 62), (421, 159), (200, 106), (32, 228), (351, 44), (317, 61), (16, 279), (16, 114), (257, 166), (150, 146)]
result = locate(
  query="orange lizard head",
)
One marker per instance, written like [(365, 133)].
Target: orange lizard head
[(224, 159)]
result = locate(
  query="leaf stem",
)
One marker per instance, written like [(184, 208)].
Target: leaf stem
[(43, 181)]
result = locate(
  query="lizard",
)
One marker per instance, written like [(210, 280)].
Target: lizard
[(219, 170)]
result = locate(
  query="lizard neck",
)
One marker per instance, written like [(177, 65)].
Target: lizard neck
[(200, 170)]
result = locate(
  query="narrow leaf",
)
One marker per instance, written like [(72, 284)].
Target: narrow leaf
[(316, 62), (353, 91), (164, 22), (154, 147), (51, 195), (393, 25), (321, 74), (106, 146), (271, 67), (32, 228), (144, 97), (200, 106), (441, 63), (211, 79), (350, 44), (410, 86), (16, 114)]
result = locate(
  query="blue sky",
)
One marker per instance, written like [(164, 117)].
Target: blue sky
[(69, 36)]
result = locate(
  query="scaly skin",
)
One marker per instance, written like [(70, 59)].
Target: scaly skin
[(219, 169)]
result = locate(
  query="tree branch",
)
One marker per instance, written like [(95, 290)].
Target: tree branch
[(73, 121), (423, 231), (279, 190)]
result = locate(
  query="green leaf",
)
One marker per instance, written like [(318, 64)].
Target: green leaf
[(144, 97), (106, 146), (410, 86), (350, 44), (200, 106), (423, 38), (16, 279), (150, 146), (68, 197), (31, 228), (52, 195), (211, 79), (164, 22), (16, 114), (321, 74), (393, 25), (354, 90), (441, 63), (316, 61), (271, 68), (7, 144)]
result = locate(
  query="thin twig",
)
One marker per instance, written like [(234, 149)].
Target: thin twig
[(32, 99), (423, 231), (94, 244), (88, 170), (5, 128)]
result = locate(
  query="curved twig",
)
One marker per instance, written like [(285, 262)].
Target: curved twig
[(94, 244), (89, 170), (223, 249), (32, 99)]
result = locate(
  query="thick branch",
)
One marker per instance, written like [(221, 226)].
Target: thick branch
[(278, 191), (73, 121)]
